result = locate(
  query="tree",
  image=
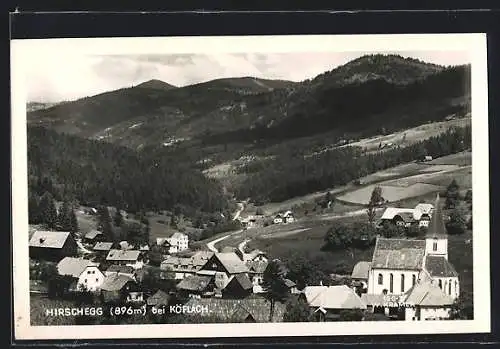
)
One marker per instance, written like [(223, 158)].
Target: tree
[(463, 307), (118, 218), (452, 194), (73, 222), (105, 223), (468, 198), (173, 221), (416, 231), (305, 271), (274, 285), (370, 211), (392, 231), (457, 223), (363, 235), (34, 216), (351, 315), (48, 210), (259, 211), (338, 237), (376, 197), (297, 310)]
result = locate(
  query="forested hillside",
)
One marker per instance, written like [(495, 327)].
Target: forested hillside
[(288, 176), (97, 173)]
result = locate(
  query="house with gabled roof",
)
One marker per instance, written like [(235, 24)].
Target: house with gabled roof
[(222, 266), (52, 245), (86, 273), (118, 288), (427, 301), (132, 258), (94, 236), (400, 265), (326, 302)]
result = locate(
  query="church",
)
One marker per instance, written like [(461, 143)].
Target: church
[(412, 279)]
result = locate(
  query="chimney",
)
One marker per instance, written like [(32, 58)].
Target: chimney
[(42, 240)]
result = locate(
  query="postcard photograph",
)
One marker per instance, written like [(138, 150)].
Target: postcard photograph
[(200, 187)]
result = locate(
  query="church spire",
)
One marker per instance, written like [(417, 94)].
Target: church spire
[(436, 227)]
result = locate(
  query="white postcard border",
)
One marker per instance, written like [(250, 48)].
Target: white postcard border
[(24, 53)]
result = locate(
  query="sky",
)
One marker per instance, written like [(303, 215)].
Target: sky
[(65, 76)]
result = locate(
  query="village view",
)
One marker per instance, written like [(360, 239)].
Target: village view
[(374, 225)]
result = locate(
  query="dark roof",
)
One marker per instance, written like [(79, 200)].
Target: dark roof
[(439, 266), (243, 280), (159, 298), (398, 254), (115, 282), (436, 226), (238, 310), (194, 283), (407, 216)]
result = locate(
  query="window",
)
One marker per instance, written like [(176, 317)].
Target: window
[(413, 279), (96, 280), (85, 280), (435, 246), (449, 287), (380, 279), (440, 284), (391, 283), (402, 282)]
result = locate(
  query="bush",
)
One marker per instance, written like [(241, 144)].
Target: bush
[(338, 237), (457, 223)]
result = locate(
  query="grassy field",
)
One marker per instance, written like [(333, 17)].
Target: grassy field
[(38, 305), (460, 159)]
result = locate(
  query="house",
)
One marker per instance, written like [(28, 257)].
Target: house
[(278, 219), (291, 286), (222, 266), (94, 236), (288, 217), (159, 299), (426, 301), (196, 286), (52, 245), (256, 273), (399, 264), (117, 288), (326, 302), (406, 217), (87, 274), (180, 240), (253, 309), (135, 297), (238, 286), (166, 246), (126, 257), (180, 267), (116, 269), (124, 245), (360, 273)]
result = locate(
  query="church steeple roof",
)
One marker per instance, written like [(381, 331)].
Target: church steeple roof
[(437, 227)]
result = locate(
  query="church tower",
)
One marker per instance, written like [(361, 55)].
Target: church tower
[(436, 240)]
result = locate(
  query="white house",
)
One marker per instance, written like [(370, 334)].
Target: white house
[(87, 273), (180, 240), (278, 219), (401, 265), (406, 217)]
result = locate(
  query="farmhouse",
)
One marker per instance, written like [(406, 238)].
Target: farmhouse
[(117, 288), (399, 265), (181, 267), (87, 274), (52, 245), (180, 240), (166, 246), (222, 266), (420, 215), (159, 299), (196, 286), (360, 273), (286, 217), (326, 302), (132, 258)]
